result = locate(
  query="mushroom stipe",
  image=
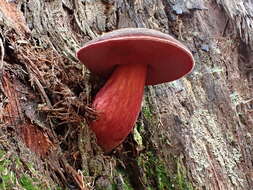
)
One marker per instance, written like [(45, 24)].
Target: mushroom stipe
[(131, 58)]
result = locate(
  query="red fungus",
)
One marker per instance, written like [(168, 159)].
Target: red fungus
[(132, 57)]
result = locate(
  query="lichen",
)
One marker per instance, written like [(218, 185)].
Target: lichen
[(235, 98), (204, 127), (138, 138)]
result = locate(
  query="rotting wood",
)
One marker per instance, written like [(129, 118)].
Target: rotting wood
[(35, 138), (32, 136), (204, 120), (13, 17)]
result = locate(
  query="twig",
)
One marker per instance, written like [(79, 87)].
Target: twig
[(42, 91), (33, 77), (2, 56), (76, 176)]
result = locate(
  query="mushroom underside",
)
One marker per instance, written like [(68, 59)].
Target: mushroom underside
[(167, 61)]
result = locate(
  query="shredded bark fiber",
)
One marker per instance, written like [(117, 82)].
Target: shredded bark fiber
[(43, 100)]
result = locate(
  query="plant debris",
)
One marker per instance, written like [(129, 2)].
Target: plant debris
[(44, 104)]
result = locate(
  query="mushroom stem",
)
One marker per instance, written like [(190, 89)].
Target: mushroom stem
[(118, 104)]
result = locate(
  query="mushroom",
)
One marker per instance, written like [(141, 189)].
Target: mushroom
[(130, 58)]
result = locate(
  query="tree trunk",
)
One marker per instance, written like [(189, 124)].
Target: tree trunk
[(193, 133)]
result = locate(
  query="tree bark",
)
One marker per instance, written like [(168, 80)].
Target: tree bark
[(193, 133)]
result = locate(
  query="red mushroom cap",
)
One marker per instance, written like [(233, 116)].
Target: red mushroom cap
[(167, 58)]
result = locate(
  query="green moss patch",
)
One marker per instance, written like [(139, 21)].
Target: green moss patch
[(156, 177), (13, 176)]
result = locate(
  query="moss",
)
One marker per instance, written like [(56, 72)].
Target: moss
[(156, 176), (8, 179), (127, 186), (147, 112), (154, 173), (28, 183), (140, 130), (123, 180), (181, 180), (148, 118), (10, 167)]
